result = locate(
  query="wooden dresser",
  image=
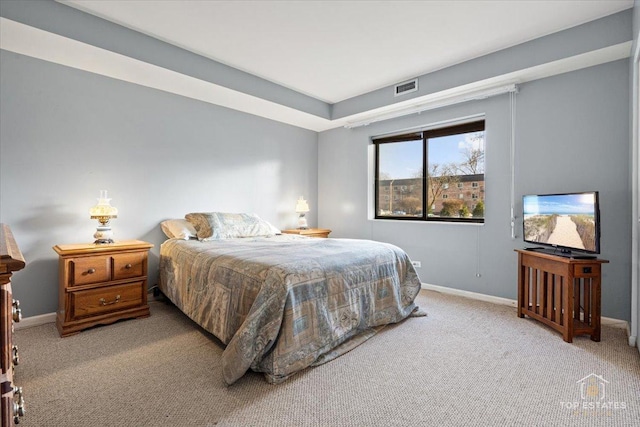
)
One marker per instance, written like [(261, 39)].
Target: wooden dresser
[(11, 260), (101, 284)]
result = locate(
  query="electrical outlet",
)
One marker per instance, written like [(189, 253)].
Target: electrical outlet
[(416, 264)]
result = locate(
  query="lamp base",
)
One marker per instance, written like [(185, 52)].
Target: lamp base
[(302, 222), (104, 241), (103, 235)]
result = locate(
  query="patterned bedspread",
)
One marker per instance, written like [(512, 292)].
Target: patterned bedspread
[(283, 303)]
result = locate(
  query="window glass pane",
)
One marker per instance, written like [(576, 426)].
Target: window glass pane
[(400, 179), (456, 176)]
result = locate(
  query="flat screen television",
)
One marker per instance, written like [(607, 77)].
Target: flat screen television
[(563, 224)]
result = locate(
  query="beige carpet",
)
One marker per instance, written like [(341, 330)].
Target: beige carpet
[(467, 363)]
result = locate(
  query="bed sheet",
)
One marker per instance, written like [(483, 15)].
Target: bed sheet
[(283, 303)]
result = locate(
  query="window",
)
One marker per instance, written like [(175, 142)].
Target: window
[(418, 169)]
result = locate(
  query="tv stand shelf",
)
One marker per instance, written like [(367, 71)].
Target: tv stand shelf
[(557, 252), (561, 292)]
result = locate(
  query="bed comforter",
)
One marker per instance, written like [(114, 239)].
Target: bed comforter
[(283, 303)]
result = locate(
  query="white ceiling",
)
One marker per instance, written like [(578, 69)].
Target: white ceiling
[(334, 50)]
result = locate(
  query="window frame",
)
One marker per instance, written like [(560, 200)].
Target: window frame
[(424, 135)]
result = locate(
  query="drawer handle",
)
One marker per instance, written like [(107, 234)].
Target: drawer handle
[(104, 302), (128, 266), (16, 357), (18, 407), (91, 271), (16, 311)]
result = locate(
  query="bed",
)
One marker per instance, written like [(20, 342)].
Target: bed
[(282, 303)]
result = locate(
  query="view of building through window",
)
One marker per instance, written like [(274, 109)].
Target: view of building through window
[(432, 175), (400, 178)]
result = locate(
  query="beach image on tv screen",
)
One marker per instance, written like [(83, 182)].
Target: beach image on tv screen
[(562, 220)]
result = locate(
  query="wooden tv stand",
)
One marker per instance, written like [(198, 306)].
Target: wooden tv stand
[(563, 293)]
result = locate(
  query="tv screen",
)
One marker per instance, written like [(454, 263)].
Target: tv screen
[(568, 221)]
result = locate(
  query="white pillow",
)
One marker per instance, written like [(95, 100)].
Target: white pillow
[(178, 229), (221, 225)]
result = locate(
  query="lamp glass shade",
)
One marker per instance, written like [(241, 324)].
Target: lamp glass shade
[(103, 208), (302, 206)]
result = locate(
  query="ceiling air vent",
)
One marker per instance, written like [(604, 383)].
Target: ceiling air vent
[(406, 87)]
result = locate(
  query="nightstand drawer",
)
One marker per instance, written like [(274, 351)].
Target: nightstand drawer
[(318, 235), (309, 232), (586, 270), (102, 300), (5, 331), (85, 270), (128, 265)]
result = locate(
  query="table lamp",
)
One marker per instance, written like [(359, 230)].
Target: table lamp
[(103, 212), (302, 208)]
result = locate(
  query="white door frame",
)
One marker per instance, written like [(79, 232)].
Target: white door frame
[(635, 196)]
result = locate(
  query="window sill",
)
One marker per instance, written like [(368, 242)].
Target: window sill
[(411, 221)]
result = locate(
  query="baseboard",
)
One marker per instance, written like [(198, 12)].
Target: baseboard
[(472, 295), (28, 322), (606, 321)]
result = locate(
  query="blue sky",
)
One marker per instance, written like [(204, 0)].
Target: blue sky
[(560, 204), (404, 160), (401, 160)]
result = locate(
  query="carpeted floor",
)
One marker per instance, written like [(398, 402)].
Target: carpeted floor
[(466, 363)]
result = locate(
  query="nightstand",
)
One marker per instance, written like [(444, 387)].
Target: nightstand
[(101, 284), (309, 232)]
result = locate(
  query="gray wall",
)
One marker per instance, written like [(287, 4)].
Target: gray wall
[(66, 134), (572, 134)]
